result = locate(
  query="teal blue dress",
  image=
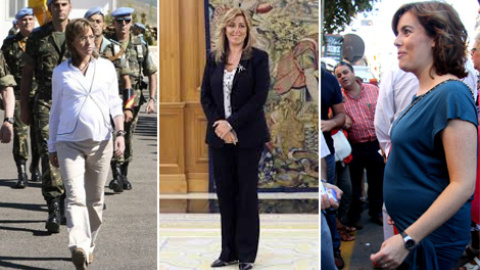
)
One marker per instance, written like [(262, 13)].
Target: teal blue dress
[(416, 172)]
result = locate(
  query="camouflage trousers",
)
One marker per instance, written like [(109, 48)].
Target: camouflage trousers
[(52, 184), (129, 129), (20, 138)]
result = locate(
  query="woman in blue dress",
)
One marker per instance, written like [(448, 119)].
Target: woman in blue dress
[(430, 174)]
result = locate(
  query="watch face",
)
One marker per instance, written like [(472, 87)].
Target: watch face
[(410, 244)]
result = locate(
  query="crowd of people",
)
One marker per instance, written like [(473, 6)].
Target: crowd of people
[(417, 134), (76, 89)]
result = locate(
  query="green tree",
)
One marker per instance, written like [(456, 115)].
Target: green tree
[(339, 13)]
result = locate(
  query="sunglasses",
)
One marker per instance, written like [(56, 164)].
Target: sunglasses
[(124, 20)]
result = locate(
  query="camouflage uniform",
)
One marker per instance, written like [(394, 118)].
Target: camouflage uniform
[(46, 50), (131, 59), (13, 48), (6, 79)]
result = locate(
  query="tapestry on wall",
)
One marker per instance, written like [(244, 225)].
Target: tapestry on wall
[(288, 31)]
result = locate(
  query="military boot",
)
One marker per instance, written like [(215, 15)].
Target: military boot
[(116, 184), (53, 221), (22, 181), (36, 176), (126, 184), (63, 217)]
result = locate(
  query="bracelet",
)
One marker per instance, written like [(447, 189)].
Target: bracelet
[(120, 133), (152, 98)]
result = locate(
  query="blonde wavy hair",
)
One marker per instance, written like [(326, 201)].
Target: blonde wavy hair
[(220, 47)]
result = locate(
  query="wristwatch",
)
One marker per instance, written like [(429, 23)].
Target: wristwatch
[(408, 241), (10, 120), (120, 133)]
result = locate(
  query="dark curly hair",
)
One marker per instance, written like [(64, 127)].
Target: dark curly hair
[(442, 23)]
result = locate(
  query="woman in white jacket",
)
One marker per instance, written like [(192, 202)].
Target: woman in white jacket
[(84, 100)]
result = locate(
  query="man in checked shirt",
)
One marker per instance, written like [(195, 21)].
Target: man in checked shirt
[(360, 104)]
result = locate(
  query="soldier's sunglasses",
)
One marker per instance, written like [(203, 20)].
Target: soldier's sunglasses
[(124, 20)]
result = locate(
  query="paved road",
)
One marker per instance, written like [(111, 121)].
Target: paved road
[(128, 239), (368, 241)]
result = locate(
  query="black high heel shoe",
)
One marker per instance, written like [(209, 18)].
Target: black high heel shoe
[(245, 266), (220, 263)]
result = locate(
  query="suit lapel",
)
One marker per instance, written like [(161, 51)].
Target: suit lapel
[(241, 68), (219, 73)]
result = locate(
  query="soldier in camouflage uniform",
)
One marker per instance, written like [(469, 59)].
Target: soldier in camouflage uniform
[(130, 56), (8, 101), (46, 48), (13, 48), (96, 16)]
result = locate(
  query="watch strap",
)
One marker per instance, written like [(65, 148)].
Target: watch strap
[(10, 120), (408, 241)]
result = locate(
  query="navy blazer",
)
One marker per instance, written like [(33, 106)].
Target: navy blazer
[(249, 94)]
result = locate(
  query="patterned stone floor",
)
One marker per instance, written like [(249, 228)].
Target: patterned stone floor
[(192, 241)]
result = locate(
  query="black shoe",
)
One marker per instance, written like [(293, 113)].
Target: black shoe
[(245, 266), (22, 181), (53, 222), (126, 184), (220, 263), (63, 217), (115, 185), (124, 171), (22, 177), (36, 176)]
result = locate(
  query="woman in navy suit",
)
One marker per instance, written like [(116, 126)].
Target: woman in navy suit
[(234, 90)]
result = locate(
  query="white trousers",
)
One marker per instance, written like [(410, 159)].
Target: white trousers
[(387, 229), (84, 167)]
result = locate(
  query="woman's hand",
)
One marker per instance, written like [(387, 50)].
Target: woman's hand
[(230, 138), (54, 159), (391, 254), (390, 220), (119, 146), (222, 128)]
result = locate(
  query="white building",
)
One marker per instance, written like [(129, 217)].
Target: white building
[(10, 7)]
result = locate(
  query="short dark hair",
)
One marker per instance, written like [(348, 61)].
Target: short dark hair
[(343, 63), (442, 23)]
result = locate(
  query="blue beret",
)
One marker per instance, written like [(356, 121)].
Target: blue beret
[(122, 11), (93, 11), (14, 21), (140, 25), (24, 12)]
